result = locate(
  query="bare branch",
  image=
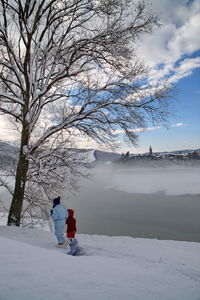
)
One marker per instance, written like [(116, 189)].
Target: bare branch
[(71, 65)]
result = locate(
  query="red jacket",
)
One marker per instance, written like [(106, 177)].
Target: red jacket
[(71, 221)]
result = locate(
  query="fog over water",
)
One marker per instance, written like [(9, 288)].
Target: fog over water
[(161, 203)]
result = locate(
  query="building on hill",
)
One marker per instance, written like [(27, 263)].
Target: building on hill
[(150, 151)]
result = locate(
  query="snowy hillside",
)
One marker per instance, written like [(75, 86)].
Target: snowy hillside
[(103, 156), (5, 147), (9, 150), (93, 155), (113, 268)]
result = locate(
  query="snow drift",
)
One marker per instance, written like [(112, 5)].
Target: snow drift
[(112, 268)]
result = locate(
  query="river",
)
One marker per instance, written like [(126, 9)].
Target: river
[(144, 203)]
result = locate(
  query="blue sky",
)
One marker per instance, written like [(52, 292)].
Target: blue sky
[(173, 52), (175, 47), (185, 130)]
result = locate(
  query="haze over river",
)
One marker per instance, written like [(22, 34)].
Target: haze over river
[(161, 203)]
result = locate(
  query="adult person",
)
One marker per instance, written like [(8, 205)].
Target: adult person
[(59, 215)]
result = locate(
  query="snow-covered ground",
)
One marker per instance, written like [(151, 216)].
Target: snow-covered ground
[(113, 268)]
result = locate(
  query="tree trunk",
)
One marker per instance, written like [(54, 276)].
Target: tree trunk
[(14, 216)]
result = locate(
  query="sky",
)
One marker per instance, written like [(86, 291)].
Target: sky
[(173, 52)]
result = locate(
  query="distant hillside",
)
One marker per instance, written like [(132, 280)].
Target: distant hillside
[(8, 155), (6, 147), (9, 150), (103, 156)]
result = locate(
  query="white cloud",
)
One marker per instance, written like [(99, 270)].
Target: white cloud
[(186, 40), (175, 11), (119, 131), (177, 39), (185, 68), (177, 125)]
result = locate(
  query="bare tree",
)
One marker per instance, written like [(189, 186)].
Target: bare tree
[(54, 168), (80, 53)]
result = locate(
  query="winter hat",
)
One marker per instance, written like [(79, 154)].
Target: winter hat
[(70, 212), (56, 201)]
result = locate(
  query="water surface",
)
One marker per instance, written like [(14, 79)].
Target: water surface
[(102, 209)]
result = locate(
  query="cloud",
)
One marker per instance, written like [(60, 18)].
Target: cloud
[(121, 131), (177, 125), (185, 68), (171, 48), (185, 40)]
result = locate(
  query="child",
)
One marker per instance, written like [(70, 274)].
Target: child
[(75, 249), (59, 215), (71, 224)]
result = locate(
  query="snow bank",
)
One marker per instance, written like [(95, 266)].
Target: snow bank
[(90, 156), (112, 268)]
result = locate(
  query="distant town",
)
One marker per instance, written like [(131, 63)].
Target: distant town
[(150, 158)]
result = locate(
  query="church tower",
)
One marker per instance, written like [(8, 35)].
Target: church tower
[(150, 151)]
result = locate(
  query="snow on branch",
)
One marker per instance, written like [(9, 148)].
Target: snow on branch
[(11, 98)]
